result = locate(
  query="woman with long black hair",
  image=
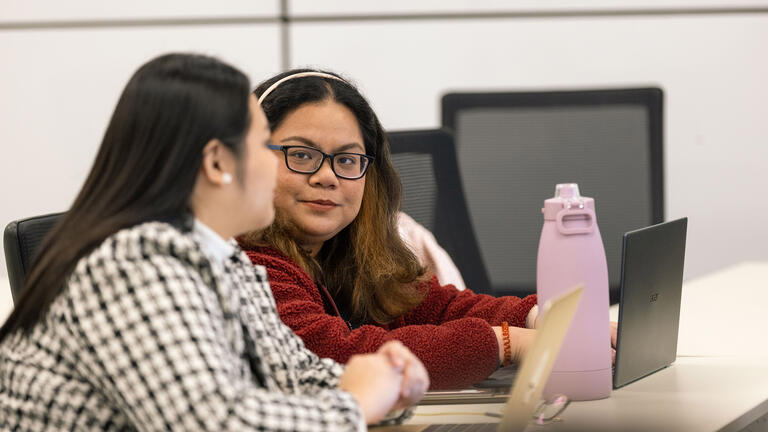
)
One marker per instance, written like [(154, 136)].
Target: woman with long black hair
[(140, 312)]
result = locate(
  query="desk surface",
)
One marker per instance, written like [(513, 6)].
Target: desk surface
[(694, 394)]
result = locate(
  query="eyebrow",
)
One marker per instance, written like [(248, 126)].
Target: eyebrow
[(310, 143)]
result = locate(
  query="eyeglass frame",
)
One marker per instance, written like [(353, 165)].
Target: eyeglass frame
[(284, 150)]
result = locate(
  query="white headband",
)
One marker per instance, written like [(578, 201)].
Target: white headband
[(296, 75)]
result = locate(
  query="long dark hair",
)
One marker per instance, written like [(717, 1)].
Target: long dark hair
[(371, 272), (146, 167)]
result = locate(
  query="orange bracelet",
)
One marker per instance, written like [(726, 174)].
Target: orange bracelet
[(507, 344)]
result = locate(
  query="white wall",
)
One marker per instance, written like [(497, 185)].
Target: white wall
[(62, 68), (712, 69), (88, 11), (337, 8)]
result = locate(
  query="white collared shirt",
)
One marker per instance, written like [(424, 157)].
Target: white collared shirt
[(214, 246)]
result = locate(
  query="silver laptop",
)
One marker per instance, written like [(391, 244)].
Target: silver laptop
[(531, 376)]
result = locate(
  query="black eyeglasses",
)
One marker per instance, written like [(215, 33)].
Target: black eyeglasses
[(308, 160)]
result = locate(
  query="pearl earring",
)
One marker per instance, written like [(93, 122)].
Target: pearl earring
[(226, 178)]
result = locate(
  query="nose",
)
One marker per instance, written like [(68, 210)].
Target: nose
[(324, 177)]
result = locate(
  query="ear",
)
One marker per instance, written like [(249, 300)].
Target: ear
[(218, 163)]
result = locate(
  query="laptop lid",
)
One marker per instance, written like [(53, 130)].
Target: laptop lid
[(649, 309), (538, 362), (554, 321)]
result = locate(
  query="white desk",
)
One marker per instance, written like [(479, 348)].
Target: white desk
[(719, 381), (694, 394)]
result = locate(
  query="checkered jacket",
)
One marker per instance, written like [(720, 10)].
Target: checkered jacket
[(149, 334)]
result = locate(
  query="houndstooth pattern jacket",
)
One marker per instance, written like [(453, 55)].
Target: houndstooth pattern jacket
[(150, 334)]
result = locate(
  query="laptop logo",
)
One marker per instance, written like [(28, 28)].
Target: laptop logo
[(654, 297)]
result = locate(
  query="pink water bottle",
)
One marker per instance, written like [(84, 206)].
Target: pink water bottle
[(571, 253)]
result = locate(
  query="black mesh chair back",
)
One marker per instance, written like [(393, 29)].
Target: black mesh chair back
[(513, 148), (434, 197), (21, 241)]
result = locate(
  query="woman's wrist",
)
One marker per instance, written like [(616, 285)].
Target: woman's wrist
[(519, 339), (507, 343), (499, 343)]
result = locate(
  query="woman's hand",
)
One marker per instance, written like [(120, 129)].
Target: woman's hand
[(415, 377), (392, 378), (520, 340), (374, 383)]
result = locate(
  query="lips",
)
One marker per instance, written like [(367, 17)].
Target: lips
[(320, 205), (322, 202)]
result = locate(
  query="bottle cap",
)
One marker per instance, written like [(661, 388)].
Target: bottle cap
[(567, 196), (567, 190)]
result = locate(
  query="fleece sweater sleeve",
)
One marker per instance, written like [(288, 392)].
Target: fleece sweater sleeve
[(445, 303), (456, 353)]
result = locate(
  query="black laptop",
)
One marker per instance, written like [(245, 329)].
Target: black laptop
[(649, 309)]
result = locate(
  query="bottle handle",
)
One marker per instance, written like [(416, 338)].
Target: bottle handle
[(575, 230)]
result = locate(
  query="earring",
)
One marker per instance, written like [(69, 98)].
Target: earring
[(226, 178)]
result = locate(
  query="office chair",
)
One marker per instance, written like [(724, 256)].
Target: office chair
[(513, 148), (433, 196), (21, 240)]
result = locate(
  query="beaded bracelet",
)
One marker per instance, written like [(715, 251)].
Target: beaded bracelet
[(507, 344)]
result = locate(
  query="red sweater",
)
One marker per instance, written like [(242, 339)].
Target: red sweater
[(450, 331)]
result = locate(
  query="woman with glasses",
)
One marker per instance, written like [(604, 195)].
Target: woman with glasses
[(343, 279), (141, 313)]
